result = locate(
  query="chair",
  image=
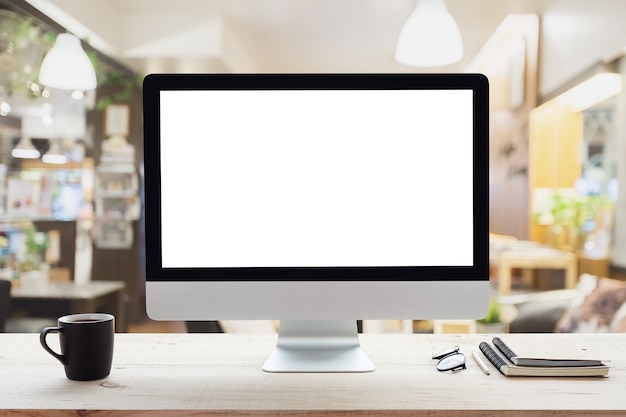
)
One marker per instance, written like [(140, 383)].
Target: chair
[(20, 324), (5, 297), (231, 326), (203, 327)]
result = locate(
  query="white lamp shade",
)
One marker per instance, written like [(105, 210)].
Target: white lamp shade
[(54, 154), (67, 66), (430, 37), (25, 149)]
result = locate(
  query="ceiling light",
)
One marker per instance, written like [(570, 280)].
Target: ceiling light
[(67, 66), (430, 37), (5, 108), (25, 149), (54, 154), (592, 91)]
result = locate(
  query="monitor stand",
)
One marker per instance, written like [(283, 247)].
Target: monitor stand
[(318, 346)]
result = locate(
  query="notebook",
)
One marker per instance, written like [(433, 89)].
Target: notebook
[(509, 369)]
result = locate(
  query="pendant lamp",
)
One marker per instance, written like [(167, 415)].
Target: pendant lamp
[(5, 108), (54, 154), (25, 149), (67, 66), (430, 37)]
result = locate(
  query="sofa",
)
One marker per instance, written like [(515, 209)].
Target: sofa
[(597, 304)]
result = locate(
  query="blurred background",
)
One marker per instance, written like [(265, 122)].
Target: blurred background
[(72, 141)]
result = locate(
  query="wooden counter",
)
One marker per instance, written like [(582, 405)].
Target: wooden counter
[(100, 296), (220, 375), (528, 259)]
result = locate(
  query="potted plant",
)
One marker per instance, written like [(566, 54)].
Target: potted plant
[(492, 322), (33, 272), (574, 220)]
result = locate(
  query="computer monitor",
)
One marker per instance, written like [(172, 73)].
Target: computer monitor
[(316, 200)]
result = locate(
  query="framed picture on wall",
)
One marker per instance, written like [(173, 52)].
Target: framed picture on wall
[(117, 120), (22, 197), (517, 74)]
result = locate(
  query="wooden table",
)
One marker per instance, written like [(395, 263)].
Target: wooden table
[(529, 258), (220, 375), (100, 296)]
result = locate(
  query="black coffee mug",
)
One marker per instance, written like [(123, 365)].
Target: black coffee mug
[(86, 342)]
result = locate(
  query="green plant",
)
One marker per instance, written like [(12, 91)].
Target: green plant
[(571, 216), (35, 244), (493, 314), (565, 209), (115, 87), (28, 265), (22, 47)]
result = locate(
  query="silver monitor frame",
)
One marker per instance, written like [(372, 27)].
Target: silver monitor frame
[(317, 306)]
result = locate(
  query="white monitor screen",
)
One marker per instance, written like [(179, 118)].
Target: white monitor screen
[(309, 178)]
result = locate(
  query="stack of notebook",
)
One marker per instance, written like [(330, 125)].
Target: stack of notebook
[(514, 365)]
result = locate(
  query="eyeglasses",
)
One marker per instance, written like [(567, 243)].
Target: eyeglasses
[(450, 360)]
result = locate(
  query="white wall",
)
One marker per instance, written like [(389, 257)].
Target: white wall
[(619, 247), (577, 34)]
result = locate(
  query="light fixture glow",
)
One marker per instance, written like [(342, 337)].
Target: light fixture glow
[(54, 154), (430, 37), (25, 149), (592, 91), (5, 108), (67, 66)]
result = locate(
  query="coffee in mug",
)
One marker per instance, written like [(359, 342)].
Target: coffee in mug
[(86, 342)]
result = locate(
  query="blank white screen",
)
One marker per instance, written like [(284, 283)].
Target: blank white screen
[(316, 178)]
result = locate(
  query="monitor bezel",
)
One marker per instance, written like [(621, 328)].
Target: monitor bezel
[(155, 83)]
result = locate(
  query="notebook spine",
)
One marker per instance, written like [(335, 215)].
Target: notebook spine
[(493, 357), (506, 351)]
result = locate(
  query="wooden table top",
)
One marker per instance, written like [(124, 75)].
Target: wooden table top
[(220, 375), (69, 290)]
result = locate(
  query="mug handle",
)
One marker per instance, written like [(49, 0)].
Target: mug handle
[(44, 344)]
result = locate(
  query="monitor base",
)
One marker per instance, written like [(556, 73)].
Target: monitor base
[(318, 346)]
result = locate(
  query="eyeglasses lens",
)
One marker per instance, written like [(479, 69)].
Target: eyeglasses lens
[(453, 362)]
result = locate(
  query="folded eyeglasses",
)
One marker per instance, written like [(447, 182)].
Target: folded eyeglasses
[(450, 360)]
